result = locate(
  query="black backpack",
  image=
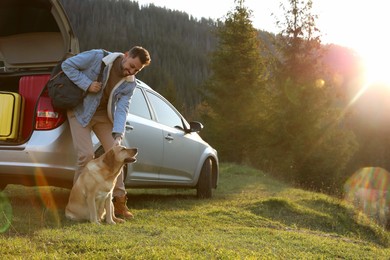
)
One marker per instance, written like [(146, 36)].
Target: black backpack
[(63, 92)]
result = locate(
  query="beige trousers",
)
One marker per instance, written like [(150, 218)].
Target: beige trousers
[(101, 125)]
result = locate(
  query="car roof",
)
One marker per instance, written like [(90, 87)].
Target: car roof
[(143, 85)]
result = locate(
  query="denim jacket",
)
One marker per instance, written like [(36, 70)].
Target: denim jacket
[(83, 69)]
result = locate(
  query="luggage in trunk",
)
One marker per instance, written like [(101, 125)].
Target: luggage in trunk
[(11, 116), (30, 87)]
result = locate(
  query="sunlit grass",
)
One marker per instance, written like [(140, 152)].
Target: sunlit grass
[(251, 216)]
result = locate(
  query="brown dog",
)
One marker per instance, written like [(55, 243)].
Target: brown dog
[(91, 195)]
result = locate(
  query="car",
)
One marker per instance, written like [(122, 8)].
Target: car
[(40, 151)]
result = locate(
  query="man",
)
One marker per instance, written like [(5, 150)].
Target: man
[(105, 106)]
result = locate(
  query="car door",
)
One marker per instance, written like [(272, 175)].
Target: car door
[(145, 134), (181, 153)]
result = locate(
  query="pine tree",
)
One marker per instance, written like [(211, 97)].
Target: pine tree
[(312, 146), (234, 91)]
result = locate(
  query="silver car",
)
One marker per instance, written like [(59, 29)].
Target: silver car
[(171, 152)]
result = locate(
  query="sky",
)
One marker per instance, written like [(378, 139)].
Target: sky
[(357, 24)]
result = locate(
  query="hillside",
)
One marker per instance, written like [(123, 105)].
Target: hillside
[(181, 45), (251, 216)]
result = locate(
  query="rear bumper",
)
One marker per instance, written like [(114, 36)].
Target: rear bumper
[(48, 156)]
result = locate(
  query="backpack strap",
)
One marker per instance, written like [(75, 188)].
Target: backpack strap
[(102, 66)]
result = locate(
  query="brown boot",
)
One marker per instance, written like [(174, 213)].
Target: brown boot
[(120, 208)]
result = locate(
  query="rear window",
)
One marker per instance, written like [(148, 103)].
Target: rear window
[(26, 16)]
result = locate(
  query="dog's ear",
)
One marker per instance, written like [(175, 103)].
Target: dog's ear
[(109, 157)]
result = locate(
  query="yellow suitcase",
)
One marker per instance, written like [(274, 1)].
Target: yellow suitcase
[(11, 116)]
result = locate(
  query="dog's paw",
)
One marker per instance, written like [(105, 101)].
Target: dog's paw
[(119, 220)]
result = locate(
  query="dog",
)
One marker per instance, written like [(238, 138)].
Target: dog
[(91, 196)]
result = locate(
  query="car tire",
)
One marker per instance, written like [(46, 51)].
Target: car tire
[(204, 187)]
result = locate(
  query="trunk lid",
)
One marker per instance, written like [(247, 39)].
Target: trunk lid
[(34, 34)]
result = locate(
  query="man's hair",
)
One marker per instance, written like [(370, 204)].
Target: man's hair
[(142, 53)]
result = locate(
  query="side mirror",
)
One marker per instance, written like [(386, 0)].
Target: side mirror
[(195, 126)]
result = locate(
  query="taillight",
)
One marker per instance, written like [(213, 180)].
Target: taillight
[(46, 116)]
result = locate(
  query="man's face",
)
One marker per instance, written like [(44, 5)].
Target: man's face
[(130, 66)]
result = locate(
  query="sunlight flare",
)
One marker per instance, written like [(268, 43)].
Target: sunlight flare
[(377, 69), (6, 214), (47, 198), (368, 189)]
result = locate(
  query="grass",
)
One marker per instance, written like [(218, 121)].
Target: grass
[(250, 216)]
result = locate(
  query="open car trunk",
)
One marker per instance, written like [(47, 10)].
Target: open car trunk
[(34, 36)]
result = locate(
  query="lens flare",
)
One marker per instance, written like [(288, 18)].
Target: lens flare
[(6, 213), (369, 190), (320, 83), (46, 196), (376, 68)]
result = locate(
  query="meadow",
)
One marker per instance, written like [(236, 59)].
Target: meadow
[(251, 216)]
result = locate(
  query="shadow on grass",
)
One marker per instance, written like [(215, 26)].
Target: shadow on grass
[(33, 208), (318, 215), (164, 199), (23, 210)]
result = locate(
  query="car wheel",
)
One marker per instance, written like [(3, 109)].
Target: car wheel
[(204, 189)]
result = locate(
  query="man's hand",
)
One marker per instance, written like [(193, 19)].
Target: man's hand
[(117, 141), (95, 87)]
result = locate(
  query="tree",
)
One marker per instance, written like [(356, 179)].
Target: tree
[(234, 91), (179, 44), (311, 147)]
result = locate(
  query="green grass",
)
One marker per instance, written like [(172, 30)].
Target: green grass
[(250, 216)]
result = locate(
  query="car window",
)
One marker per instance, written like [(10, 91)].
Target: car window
[(165, 114), (138, 105)]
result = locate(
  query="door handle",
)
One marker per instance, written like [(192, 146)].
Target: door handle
[(129, 127), (169, 137)]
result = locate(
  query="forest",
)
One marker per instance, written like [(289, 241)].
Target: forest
[(185, 68), (178, 43)]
